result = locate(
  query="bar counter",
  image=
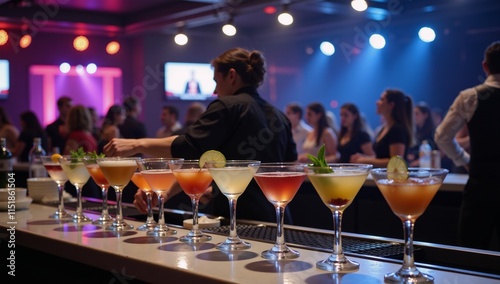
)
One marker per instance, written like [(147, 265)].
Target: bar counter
[(135, 257)]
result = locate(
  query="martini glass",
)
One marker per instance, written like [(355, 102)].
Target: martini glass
[(78, 176), (160, 178), (194, 181), (118, 171), (232, 177), (97, 175), (280, 182), (139, 180), (337, 185), (408, 199), (59, 176)]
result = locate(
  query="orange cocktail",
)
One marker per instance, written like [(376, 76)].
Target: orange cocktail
[(99, 178), (139, 180), (194, 181), (160, 178)]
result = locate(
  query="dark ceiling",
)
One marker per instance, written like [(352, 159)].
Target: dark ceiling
[(204, 17)]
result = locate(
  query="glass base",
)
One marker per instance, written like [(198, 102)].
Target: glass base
[(148, 226), (161, 230), (231, 244), (61, 215), (122, 226), (80, 218), (276, 253), (195, 238), (103, 220), (343, 265), (414, 277)]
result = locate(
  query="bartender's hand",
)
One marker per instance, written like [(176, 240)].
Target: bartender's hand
[(120, 147)]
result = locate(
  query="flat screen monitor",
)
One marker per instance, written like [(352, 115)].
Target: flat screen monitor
[(4, 78), (189, 81)]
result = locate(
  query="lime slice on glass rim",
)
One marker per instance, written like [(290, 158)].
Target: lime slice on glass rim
[(397, 169), (213, 156)]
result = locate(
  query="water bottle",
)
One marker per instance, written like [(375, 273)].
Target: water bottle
[(5, 163), (36, 165), (425, 151)]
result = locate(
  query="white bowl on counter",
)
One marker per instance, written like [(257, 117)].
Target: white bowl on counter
[(42, 189)]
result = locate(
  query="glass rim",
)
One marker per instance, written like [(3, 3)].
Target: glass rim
[(413, 170), (234, 162), (163, 159), (118, 158), (338, 165)]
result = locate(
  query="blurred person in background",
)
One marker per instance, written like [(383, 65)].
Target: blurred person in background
[(397, 135), (30, 129), (354, 137), (300, 129), (57, 131), (8, 130)]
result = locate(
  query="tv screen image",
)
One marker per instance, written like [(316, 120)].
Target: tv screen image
[(189, 81), (4, 78)]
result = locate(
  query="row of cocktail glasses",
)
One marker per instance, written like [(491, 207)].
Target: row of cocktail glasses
[(337, 187)]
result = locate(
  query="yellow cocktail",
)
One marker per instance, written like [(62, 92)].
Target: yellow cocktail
[(337, 185)]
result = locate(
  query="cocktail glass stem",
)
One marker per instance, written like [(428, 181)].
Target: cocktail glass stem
[(280, 250), (195, 235), (149, 201), (60, 212), (337, 261), (78, 216), (408, 273), (118, 223), (105, 217), (161, 230), (233, 234)]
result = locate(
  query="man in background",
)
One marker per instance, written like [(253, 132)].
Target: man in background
[(300, 129), (170, 122), (132, 127), (57, 131), (477, 107)]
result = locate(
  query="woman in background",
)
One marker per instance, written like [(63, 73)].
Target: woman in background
[(396, 135), (353, 138), (320, 134), (109, 130), (424, 130), (79, 123)]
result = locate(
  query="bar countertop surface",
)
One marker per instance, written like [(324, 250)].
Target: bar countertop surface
[(155, 260)]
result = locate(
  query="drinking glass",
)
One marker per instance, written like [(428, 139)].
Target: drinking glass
[(232, 177), (59, 176), (194, 181), (408, 199), (280, 182), (160, 178), (97, 175), (139, 180), (337, 185), (118, 171), (78, 176)]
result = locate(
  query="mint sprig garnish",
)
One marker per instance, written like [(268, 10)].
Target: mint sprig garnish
[(320, 161)]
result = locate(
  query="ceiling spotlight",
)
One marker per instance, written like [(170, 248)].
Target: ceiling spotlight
[(327, 48), (4, 37), (81, 43), (359, 5), (25, 41), (228, 29), (426, 34), (377, 41), (91, 68), (113, 47), (64, 67), (285, 18), (80, 70)]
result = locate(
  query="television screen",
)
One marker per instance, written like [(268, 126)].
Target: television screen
[(189, 81), (4, 78)]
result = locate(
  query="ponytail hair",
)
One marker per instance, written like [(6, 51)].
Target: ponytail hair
[(402, 111)]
